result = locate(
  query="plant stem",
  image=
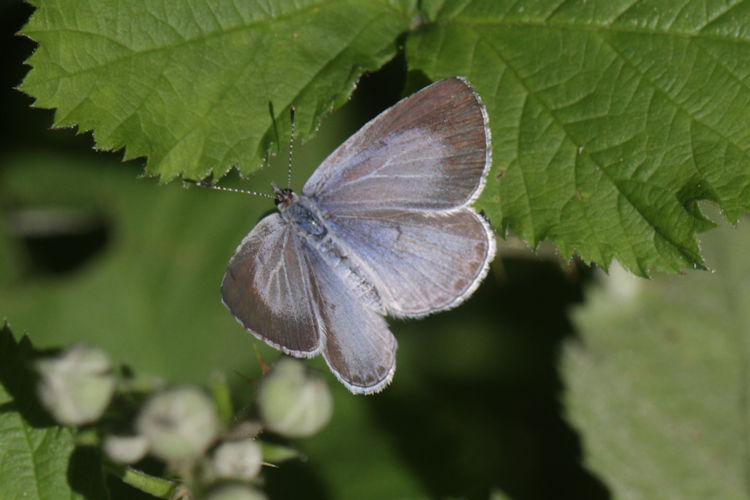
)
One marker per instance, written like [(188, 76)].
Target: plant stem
[(156, 486)]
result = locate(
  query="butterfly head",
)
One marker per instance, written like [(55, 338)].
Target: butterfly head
[(283, 197)]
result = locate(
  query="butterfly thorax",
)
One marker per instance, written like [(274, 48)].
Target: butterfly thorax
[(297, 211), (300, 212)]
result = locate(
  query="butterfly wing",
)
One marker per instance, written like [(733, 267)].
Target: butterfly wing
[(283, 291), (266, 285), (396, 195), (430, 151), (357, 344), (419, 264)]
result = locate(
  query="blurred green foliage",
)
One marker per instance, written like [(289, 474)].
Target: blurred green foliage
[(673, 353)]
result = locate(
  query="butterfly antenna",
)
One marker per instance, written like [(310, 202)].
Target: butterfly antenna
[(233, 190), (291, 147)]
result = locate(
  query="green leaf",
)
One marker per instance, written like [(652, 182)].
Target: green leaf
[(189, 85), (659, 381), (34, 453), (610, 120)]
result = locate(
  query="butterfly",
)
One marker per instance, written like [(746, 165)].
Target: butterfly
[(382, 227)]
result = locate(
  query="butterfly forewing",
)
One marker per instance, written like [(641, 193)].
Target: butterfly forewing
[(429, 151)]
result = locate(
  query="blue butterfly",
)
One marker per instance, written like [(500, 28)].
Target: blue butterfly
[(383, 227)]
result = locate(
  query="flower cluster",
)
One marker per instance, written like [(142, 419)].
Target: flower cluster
[(214, 454)]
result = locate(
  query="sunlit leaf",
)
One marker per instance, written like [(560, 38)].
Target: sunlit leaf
[(610, 120), (191, 85)]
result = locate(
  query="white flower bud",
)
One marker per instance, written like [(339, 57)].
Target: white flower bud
[(293, 400), (125, 449), (180, 423), (239, 460), (77, 385)]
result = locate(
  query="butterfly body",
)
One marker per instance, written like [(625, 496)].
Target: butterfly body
[(383, 226), (301, 214)]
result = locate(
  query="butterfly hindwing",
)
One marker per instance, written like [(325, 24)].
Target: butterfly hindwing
[(266, 288), (419, 264), (357, 344)]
